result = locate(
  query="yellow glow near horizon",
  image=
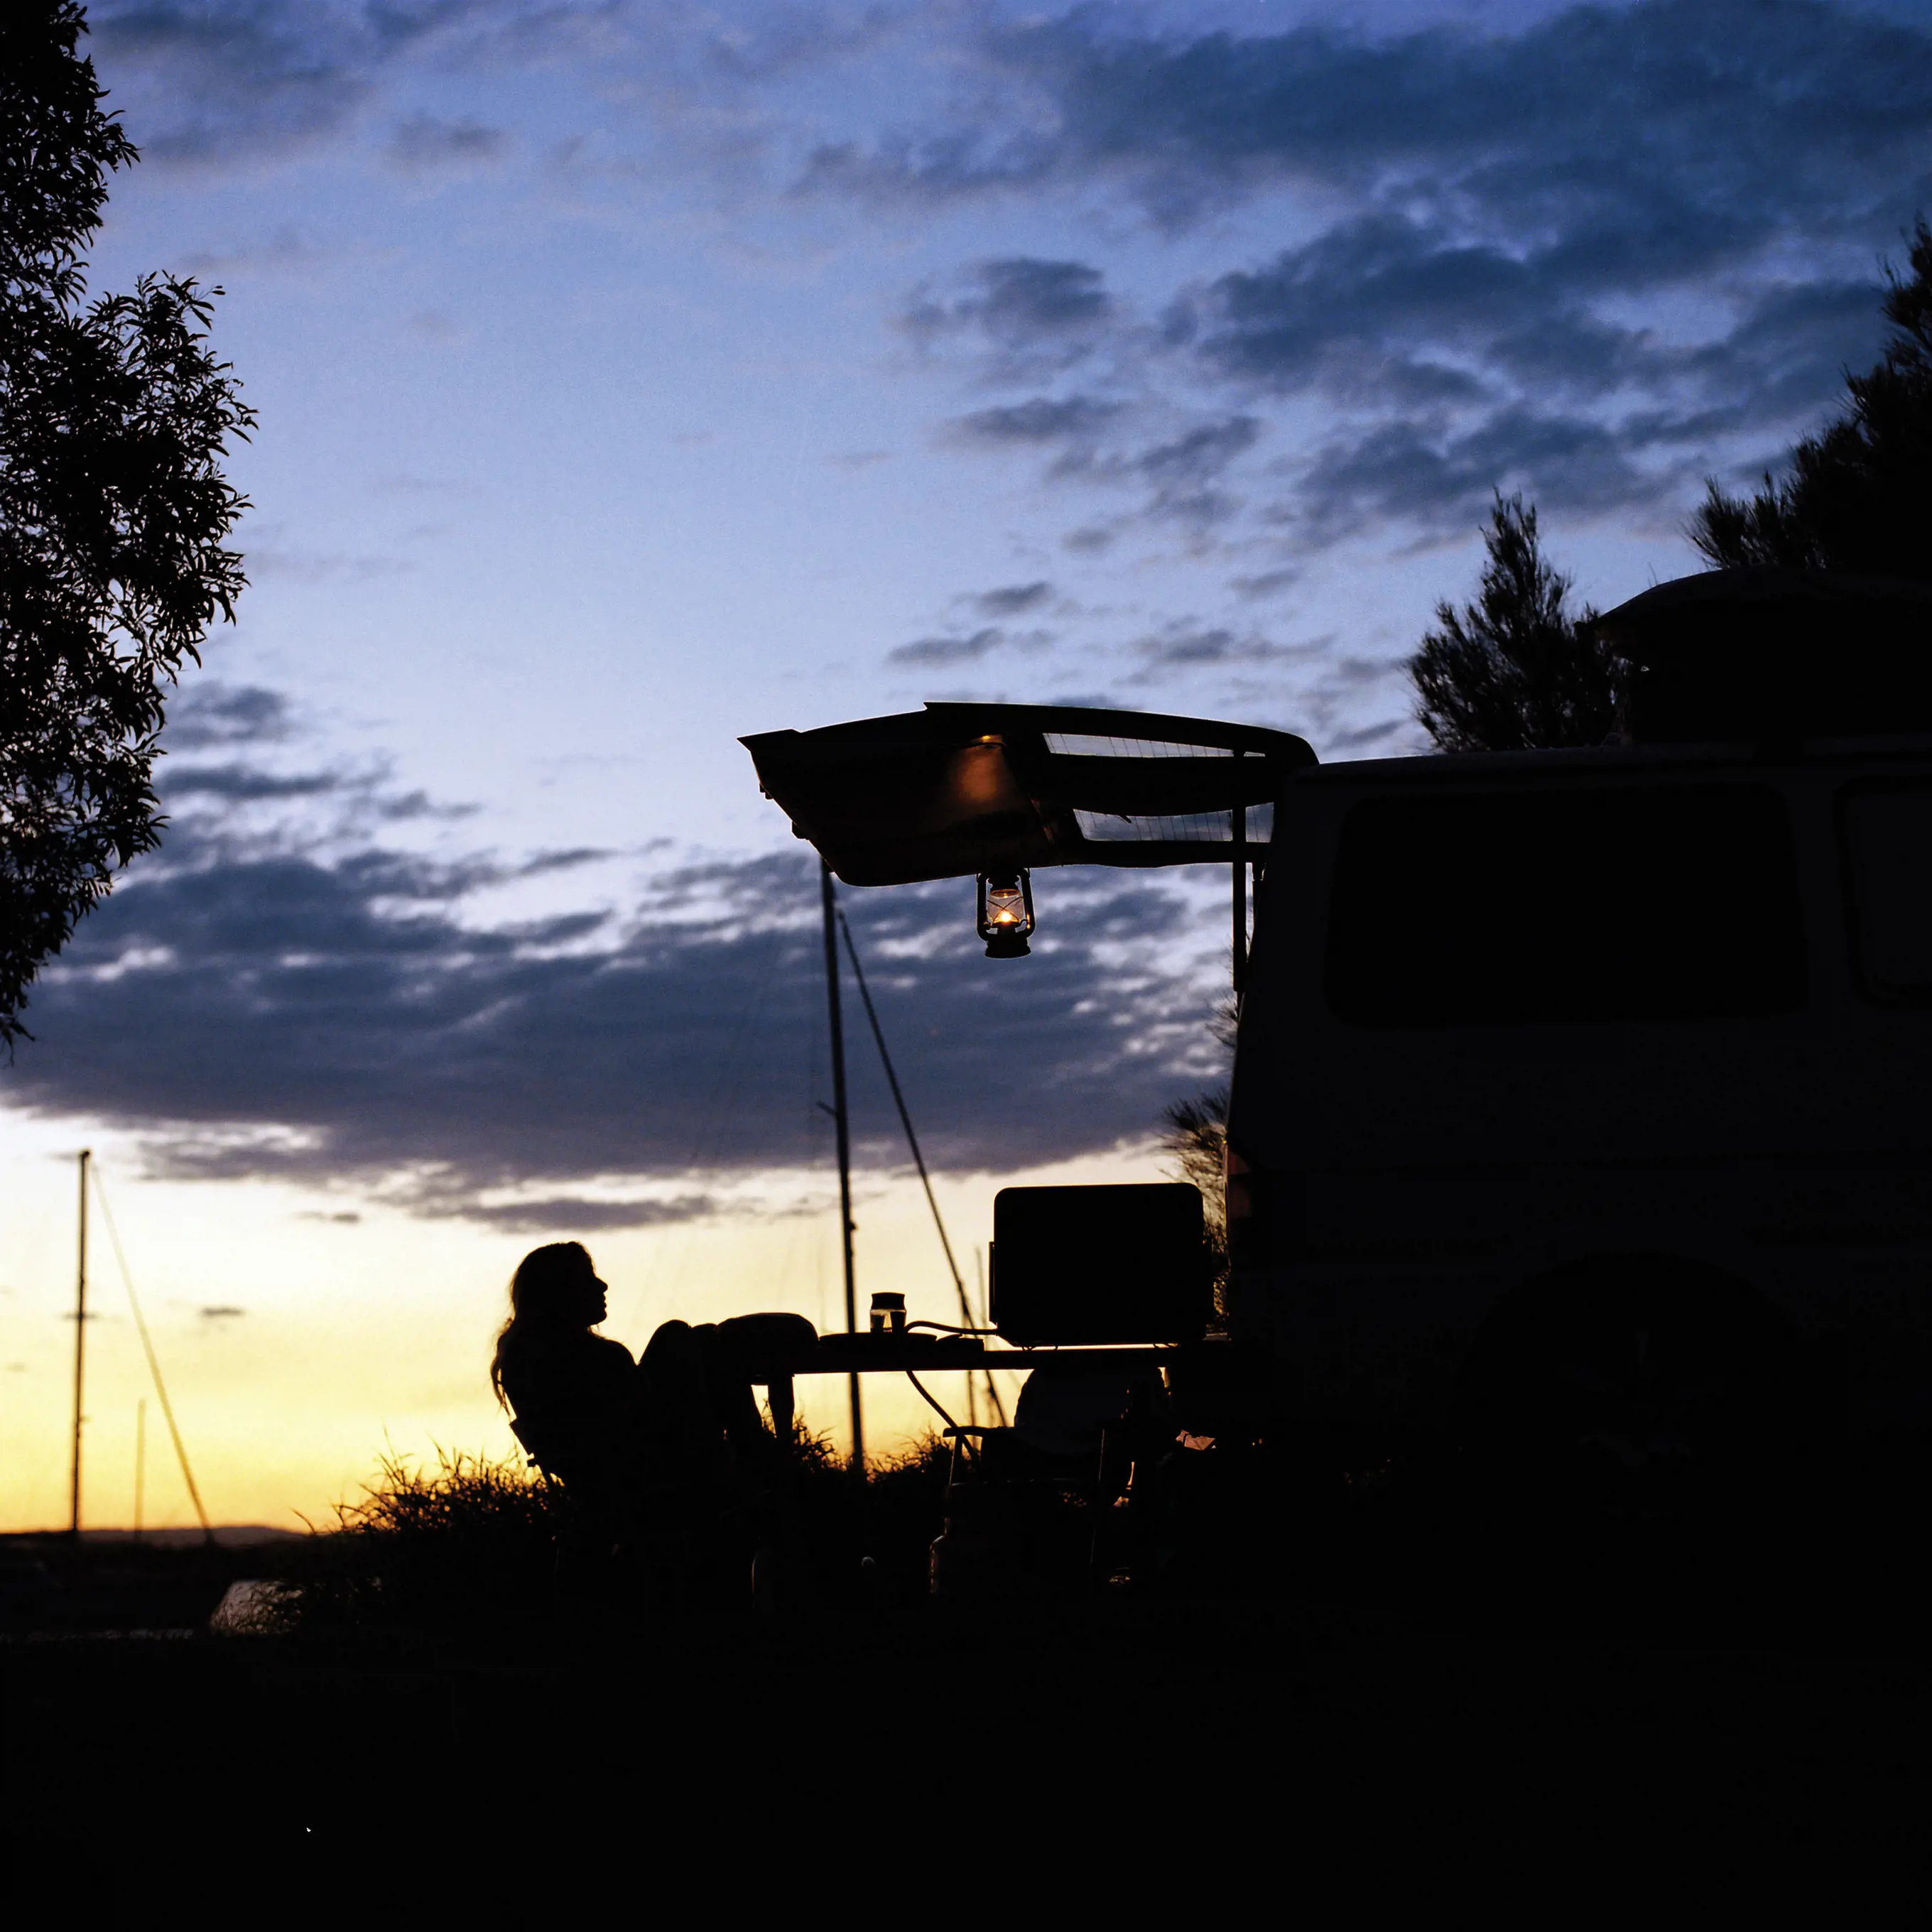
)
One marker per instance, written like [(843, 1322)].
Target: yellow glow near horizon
[(358, 1335)]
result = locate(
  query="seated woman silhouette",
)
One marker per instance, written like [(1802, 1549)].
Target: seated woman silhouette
[(656, 1445)]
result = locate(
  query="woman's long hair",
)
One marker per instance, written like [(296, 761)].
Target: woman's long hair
[(534, 1296)]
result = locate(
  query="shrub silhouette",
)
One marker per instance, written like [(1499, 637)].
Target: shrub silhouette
[(469, 1547), (472, 1541)]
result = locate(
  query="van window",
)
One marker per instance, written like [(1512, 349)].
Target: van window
[(1669, 903), (1886, 831)]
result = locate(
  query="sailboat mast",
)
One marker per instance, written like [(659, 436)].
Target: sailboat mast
[(80, 1344)]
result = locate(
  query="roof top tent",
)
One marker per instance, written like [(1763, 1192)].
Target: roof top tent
[(1769, 655)]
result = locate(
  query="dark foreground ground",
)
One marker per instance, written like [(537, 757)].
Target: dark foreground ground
[(1387, 1712)]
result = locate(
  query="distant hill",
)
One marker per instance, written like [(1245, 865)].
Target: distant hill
[(229, 1535)]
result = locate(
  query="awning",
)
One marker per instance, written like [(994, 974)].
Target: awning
[(959, 789)]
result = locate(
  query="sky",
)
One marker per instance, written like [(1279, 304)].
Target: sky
[(634, 376)]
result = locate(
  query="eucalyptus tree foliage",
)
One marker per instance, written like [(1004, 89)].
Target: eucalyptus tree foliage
[(1858, 495), (114, 419), (1513, 671), (1194, 1136)]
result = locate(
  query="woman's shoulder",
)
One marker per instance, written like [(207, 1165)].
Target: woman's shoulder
[(538, 1366)]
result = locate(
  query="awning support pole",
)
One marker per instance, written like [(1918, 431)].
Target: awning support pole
[(1239, 815), (838, 1121)]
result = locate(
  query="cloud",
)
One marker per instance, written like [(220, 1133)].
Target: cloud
[(1180, 474), (1011, 600), (424, 144), (200, 792), (1350, 704), (1029, 297), (1391, 314), (1185, 472), (1268, 582), (1040, 419), (266, 1008), (1388, 299), (1361, 738), (224, 82), (546, 1212), (1443, 477), (214, 80), (210, 713), (1659, 218), (947, 650), (1032, 313), (1185, 643), (1600, 254), (1675, 125), (237, 783), (564, 861)]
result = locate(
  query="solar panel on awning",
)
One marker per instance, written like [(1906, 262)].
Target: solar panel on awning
[(959, 789)]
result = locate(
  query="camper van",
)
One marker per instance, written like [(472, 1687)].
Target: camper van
[(1585, 1091), (1575, 1093), (1616, 1061)]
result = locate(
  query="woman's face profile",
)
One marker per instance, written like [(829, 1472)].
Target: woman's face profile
[(593, 1297)]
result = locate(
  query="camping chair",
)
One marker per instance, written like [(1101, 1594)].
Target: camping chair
[(1049, 1505), (680, 1515), (596, 1523)]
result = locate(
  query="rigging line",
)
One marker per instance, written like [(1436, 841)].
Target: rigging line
[(912, 1141), (929, 1401), (154, 1360), (709, 1132)]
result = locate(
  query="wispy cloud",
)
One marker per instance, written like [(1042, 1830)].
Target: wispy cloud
[(1011, 600), (424, 144), (1033, 315), (1185, 643), (1073, 420), (943, 650), (212, 81)]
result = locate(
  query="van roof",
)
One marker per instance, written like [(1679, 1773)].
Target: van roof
[(1450, 768)]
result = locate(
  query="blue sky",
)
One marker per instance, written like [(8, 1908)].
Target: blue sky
[(634, 376)]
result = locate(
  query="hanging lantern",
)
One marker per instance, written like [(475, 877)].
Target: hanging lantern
[(1005, 913)]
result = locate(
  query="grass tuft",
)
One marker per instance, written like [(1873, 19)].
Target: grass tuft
[(468, 1542), (468, 1546)]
